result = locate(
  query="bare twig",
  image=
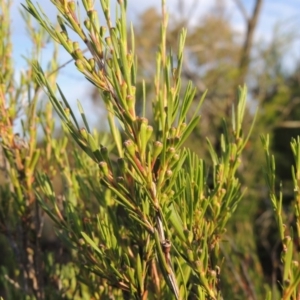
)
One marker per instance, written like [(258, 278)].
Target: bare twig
[(186, 13), (251, 25), (242, 9), (64, 64)]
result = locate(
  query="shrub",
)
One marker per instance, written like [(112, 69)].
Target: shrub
[(138, 215)]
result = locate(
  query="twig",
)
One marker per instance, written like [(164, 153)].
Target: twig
[(64, 64), (166, 247), (251, 25), (242, 9)]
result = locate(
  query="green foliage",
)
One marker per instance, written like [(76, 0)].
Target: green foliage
[(289, 233), (137, 215)]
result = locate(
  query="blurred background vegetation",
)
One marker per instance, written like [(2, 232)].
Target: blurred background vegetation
[(218, 57)]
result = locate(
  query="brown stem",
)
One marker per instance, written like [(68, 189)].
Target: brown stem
[(245, 56), (155, 276)]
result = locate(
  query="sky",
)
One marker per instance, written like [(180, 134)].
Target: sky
[(285, 14)]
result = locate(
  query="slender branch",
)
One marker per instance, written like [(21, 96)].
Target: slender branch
[(242, 9), (186, 13), (251, 25), (64, 64)]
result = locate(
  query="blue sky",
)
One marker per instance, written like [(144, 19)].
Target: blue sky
[(284, 13)]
